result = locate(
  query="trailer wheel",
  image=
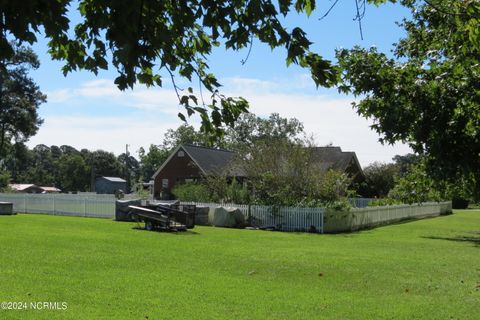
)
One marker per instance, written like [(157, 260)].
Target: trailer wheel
[(149, 226)]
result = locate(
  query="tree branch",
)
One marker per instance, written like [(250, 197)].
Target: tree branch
[(328, 11), (174, 84), (249, 50)]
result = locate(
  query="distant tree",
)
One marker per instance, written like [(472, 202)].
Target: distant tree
[(150, 161), (416, 186), (56, 152), (106, 164), (18, 159), (19, 96), (251, 129), (186, 134), (73, 172), (4, 179), (379, 179), (405, 162), (131, 169), (41, 170), (66, 149)]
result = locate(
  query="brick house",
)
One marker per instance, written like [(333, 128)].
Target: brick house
[(189, 163)]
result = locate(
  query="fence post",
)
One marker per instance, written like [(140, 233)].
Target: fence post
[(84, 207), (25, 203), (323, 218), (53, 198)]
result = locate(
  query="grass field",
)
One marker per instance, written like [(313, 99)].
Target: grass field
[(428, 269)]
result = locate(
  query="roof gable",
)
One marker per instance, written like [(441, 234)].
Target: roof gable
[(208, 160), (335, 158)]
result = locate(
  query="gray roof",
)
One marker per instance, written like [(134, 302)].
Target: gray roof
[(216, 161), (114, 179), (211, 161), (335, 158)]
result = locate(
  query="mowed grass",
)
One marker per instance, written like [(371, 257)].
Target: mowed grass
[(428, 269)]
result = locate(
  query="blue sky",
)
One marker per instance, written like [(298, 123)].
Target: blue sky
[(88, 111)]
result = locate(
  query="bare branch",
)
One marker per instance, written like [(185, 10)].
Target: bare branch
[(175, 85), (360, 15), (328, 11), (249, 50)]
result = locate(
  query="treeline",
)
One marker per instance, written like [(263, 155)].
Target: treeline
[(407, 180), (70, 169), (273, 152), (66, 167), (75, 170)]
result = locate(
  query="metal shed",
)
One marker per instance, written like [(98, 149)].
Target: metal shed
[(110, 185)]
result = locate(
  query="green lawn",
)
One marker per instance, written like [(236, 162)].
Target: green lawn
[(428, 269)]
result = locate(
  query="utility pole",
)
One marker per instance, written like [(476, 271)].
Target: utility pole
[(127, 172), (92, 173)]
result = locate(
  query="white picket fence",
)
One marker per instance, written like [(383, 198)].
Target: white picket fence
[(361, 218), (277, 218), (62, 204), (328, 221)]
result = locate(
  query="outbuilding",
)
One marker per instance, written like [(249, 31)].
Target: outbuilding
[(110, 185)]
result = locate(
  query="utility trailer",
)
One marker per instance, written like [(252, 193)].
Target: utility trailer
[(162, 217)]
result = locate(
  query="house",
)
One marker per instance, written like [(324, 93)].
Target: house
[(110, 185), (189, 163), (334, 158), (25, 188)]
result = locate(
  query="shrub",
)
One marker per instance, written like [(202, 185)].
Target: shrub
[(384, 202), (415, 187), (4, 180), (194, 192)]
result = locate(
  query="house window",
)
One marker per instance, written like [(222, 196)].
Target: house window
[(165, 183), (180, 154)]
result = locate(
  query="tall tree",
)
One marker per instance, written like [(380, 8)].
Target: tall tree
[(73, 172), (19, 97), (106, 164), (186, 134), (150, 39), (428, 94), (131, 168), (379, 179), (250, 129)]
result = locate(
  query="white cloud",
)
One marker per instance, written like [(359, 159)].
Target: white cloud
[(107, 133), (142, 98), (59, 96), (99, 88), (329, 117)]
